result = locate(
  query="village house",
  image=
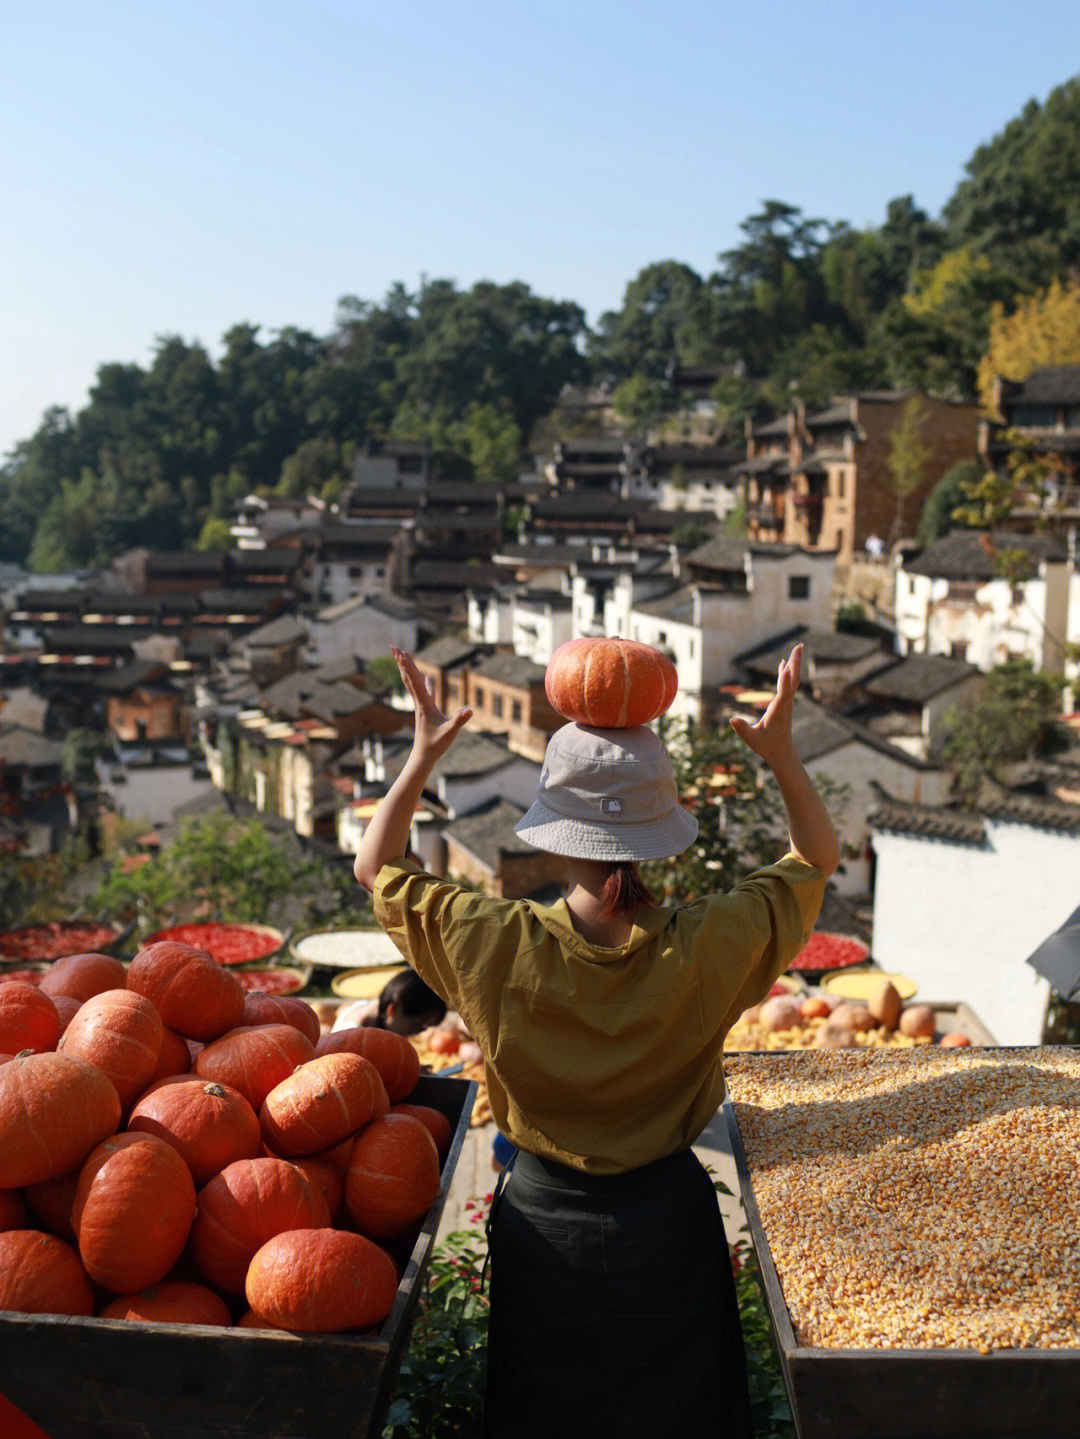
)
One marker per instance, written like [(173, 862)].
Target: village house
[(947, 912), (822, 478), (445, 662), (350, 559), (833, 661), (533, 618), (733, 596), (506, 695), (1042, 412), (913, 702), (273, 650), (850, 764), (953, 599), (483, 850), (366, 626), (144, 702), (701, 478)]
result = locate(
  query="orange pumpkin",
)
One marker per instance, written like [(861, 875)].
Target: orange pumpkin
[(54, 1109), (193, 994), (324, 1176), (176, 1301), (254, 1060), (393, 1175), (397, 1061), (12, 1210), (81, 976), (40, 1274), (66, 1010), (262, 1009), (321, 1281), (248, 1203), (610, 683), (434, 1121), (209, 1124), (121, 1032), (28, 1018), (322, 1103), (133, 1210), (50, 1203), (175, 1057)]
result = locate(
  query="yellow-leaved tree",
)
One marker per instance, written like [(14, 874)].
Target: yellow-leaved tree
[(1044, 329)]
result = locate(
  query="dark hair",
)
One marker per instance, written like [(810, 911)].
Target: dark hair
[(415, 998), (625, 892)]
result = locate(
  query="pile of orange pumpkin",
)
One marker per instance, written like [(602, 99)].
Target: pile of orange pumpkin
[(173, 1149)]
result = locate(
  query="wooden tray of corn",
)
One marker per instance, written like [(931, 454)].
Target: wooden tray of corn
[(916, 1215)]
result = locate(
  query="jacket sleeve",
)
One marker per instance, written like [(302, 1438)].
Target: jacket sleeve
[(748, 937)]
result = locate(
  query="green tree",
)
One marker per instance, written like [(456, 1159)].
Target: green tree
[(310, 468), (945, 504), (740, 816), (1018, 200), (909, 454), (490, 437), (1016, 719), (232, 869), (81, 748), (216, 534), (641, 403), (667, 318)]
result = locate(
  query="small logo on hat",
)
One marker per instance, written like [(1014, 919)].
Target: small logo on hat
[(610, 806)]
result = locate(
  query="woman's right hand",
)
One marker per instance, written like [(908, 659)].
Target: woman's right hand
[(434, 732)]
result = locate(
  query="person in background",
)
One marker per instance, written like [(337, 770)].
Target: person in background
[(405, 1004), (601, 1020)]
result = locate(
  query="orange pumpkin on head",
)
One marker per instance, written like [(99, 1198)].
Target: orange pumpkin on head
[(610, 683)]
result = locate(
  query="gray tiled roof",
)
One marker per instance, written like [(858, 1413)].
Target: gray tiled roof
[(510, 670), (678, 606), (473, 753), (919, 677), (968, 826), (490, 832), (1050, 385), (969, 554), (286, 630), (448, 651), (824, 647)]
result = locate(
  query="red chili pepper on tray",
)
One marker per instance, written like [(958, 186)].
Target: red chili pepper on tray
[(56, 939), (830, 951), (227, 943)]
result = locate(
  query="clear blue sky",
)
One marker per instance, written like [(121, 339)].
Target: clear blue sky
[(176, 168)]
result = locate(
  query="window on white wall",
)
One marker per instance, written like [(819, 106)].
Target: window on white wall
[(798, 587)]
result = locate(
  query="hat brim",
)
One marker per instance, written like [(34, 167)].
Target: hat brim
[(619, 844)]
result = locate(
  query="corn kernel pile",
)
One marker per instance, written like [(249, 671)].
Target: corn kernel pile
[(919, 1198)]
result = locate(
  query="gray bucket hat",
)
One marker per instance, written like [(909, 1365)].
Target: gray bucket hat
[(607, 794)]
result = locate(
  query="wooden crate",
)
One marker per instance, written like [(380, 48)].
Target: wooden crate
[(910, 1393), (106, 1378)]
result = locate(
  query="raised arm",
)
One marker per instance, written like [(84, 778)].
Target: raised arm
[(387, 834), (812, 835)]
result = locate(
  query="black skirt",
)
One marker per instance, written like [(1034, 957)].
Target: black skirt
[(613, 1307)]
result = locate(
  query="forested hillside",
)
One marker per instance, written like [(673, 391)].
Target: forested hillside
[(801, 305)]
